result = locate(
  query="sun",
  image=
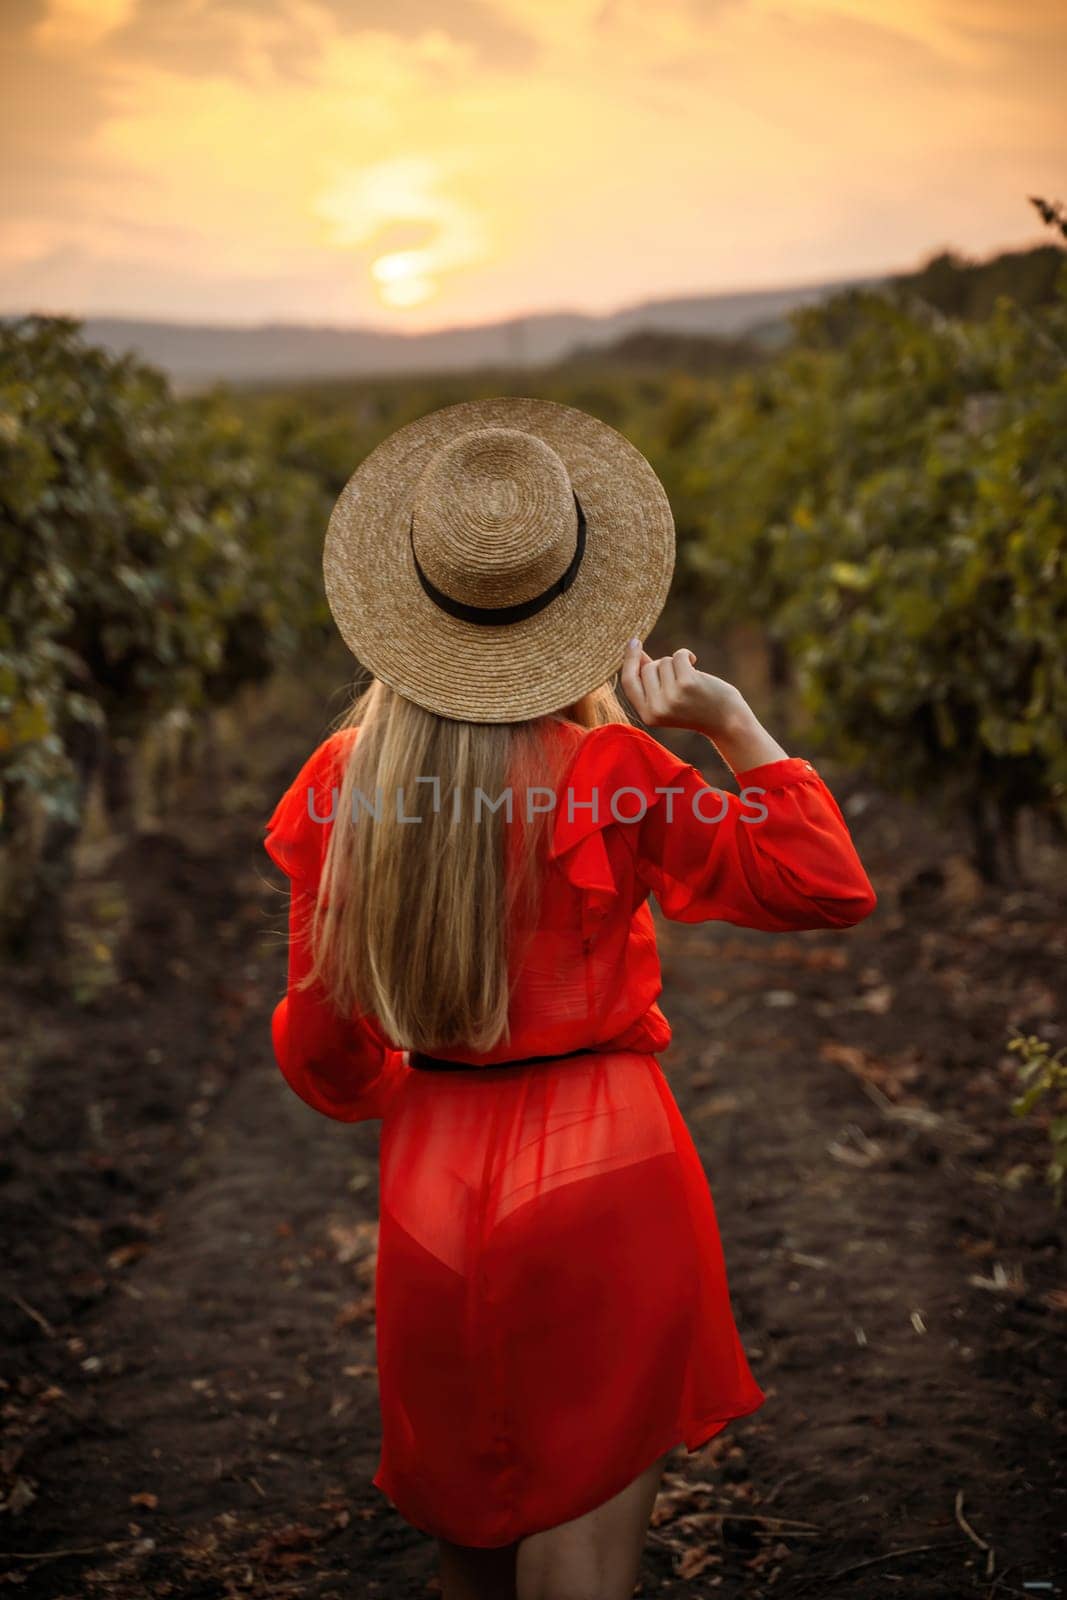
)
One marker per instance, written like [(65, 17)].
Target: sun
[(401, 279), (417, 231)]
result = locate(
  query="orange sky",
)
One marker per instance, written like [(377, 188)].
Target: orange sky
[(419, 163)]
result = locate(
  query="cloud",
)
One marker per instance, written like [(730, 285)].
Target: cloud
[(492, 34), (258, 38), (974, 33), (456, 161), (100, 282), (76, 24)]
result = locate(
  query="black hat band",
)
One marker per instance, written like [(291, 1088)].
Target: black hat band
[(493, 616)]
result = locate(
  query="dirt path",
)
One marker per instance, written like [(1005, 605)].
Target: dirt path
[(191, 1403)]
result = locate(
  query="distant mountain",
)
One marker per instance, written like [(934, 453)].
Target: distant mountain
[(196, 354), (702, 355)]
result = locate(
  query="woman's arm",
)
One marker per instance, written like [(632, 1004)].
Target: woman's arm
[(340, 1067), (743, 741), (780, 857)]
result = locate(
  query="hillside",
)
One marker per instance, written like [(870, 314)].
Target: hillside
[(200, 353)]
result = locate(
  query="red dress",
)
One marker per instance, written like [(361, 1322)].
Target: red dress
[(552, 1304)]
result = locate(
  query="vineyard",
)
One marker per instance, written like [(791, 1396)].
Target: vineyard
[(872, 539), (885, 504)]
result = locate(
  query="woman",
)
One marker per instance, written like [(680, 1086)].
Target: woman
[(472, 959)]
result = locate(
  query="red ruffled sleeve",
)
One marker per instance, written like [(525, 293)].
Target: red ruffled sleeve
[(778, 857), (343, 1067)]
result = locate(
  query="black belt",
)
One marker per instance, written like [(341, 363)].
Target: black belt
[(426, 1063)]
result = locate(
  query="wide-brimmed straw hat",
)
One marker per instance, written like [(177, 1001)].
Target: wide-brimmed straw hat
[(491, 560)]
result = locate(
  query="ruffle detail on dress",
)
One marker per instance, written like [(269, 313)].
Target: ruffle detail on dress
[(619, 779), (610, 783)]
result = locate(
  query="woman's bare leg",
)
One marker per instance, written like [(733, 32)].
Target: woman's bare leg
[(468, 1573), (595, 1557)]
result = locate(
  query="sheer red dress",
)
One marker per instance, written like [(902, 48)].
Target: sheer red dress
[(552, 1303)]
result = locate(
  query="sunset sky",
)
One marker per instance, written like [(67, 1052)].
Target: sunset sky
[(421, 163)]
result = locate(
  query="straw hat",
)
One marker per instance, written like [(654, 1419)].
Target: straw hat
[(490, 561)]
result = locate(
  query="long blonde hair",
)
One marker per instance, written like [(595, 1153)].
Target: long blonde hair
[(414, 924)]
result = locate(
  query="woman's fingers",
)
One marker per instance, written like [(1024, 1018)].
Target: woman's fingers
[(662, 697), (650, 687), (673, 693), (649, 683), (639, 680), (632, 661), (658, 689), (684, 667)]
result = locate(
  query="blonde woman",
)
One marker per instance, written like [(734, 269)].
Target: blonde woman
[(472, 959)]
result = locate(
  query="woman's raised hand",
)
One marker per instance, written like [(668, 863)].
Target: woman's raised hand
[(671, 693)]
